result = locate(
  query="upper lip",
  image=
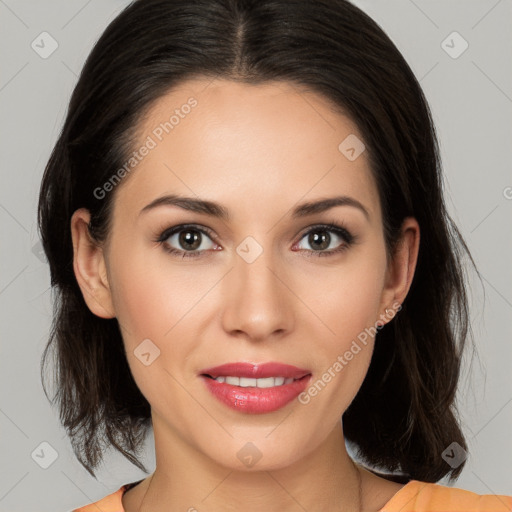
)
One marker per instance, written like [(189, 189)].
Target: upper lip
[(256, 370)]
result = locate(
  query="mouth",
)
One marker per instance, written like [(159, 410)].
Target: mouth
[(255, 388)]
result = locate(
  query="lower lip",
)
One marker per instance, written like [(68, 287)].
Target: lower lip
[(254, 400)]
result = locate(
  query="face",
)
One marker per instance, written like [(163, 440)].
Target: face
[(267, 282)]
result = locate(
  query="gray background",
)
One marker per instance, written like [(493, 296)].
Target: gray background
[(471, 100)]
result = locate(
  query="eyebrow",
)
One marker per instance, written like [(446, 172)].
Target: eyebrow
[(216, 210)]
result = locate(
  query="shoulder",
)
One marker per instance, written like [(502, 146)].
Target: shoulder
[(419, 496), (111, 503)]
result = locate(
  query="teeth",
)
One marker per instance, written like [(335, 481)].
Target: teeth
[(246, 382)]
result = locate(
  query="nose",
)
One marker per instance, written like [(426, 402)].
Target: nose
[(257, 303)]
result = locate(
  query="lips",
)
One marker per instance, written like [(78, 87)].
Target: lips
[(255, 396), (256, 371)]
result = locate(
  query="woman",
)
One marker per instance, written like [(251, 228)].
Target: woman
[(245, 224)]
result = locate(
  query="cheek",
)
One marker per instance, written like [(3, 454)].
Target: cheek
[(350, 309), (348, 298), (152, 302), (149, 296), (138, 305), (156, 299)]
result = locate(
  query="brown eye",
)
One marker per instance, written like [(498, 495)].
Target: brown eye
[(187, 241), (320, 238), (321, 241)]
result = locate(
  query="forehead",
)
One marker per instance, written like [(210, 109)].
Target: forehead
[(275, 143)]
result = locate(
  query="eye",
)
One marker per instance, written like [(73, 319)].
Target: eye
[(320, 238), (186, 240)]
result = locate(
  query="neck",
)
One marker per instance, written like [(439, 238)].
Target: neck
[(326, 479)]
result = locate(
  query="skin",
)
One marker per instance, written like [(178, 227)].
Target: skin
[(259, 151)]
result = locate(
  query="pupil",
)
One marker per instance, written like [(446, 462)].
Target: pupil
[(190, 239), (322, 242)]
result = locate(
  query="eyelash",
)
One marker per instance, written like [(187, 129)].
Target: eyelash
[(339, 230)]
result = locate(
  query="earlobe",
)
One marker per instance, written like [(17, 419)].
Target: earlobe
[(90, 267), (401, 270)]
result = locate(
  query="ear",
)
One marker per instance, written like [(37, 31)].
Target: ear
[(400, 271), (90, 267)]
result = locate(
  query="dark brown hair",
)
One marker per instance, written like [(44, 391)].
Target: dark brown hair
[(403, 417)]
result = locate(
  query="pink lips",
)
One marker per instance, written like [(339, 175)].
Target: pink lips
[(254, 400)]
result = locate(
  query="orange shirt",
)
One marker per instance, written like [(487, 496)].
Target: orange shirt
[(414, 496)]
